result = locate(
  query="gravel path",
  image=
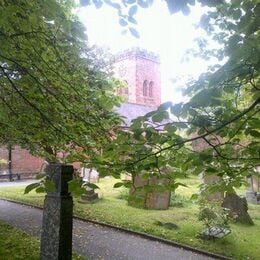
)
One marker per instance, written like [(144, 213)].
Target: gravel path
[(96, 241)]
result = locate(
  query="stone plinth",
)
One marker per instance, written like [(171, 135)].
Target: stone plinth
[(140, 197), (56, 237)]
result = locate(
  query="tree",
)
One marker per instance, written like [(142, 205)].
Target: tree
[(56, 93)]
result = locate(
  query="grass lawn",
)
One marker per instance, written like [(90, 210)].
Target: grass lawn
[(112, 208), (15, 244)]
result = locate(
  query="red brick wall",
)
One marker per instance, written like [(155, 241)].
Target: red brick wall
[(22, 160)]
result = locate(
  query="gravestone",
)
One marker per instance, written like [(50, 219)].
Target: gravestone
[(56, 237), (89, 196), (237, 208), (211, 180), (140, 197), (253, 193)]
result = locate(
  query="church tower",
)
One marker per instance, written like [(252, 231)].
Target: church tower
[(141, 72)]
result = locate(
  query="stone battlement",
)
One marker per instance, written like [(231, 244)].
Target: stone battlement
[(137, 52)]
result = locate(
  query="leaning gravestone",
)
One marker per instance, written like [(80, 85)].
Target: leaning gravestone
[(237, 208), (56, 237)]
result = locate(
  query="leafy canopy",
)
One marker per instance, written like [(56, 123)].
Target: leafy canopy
[(56, 94)]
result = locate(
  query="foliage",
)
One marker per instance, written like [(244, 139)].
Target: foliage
[(3, 162), (56, 94)]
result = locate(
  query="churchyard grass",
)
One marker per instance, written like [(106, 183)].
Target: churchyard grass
[(112, 208), (15, 244)]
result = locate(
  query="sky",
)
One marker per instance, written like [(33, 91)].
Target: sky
[(169, 36)]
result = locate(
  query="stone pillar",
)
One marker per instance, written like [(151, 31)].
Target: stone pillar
[(56, 237)]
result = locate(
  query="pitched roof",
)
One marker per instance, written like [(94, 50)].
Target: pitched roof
[(131, 111)]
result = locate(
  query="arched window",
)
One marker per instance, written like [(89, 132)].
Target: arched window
[(125, 89), (151, 88), (145, 88)]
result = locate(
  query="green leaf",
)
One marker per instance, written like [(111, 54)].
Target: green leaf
[(171, 129), (49, 185), (194, 196), (118, 184), (165, 105), (132, 20), (31, 187), (91, 185), (132, 11), (144, 3), (176, 109), (40, 176), (130, 1), (254, 133), (134, 32), (40, 189), (98, 3), (160, 116), (123, 22)]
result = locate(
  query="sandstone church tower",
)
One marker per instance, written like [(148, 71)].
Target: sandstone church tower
[(141, 71)]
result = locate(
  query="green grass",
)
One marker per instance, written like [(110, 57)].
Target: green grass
[(112, 208), (15, 244)]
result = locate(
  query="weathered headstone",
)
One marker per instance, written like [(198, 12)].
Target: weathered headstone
[(56, 237), (140, 197), (89, 196), (237, 208), (211, 180), (253, 193)]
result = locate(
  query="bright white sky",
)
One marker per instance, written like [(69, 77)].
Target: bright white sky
[(167, 35)]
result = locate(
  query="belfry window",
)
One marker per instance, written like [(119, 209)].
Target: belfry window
[(151, 88), (125, 89), (145, 88)]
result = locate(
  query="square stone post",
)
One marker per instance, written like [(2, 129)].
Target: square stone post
[(56, 237)]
